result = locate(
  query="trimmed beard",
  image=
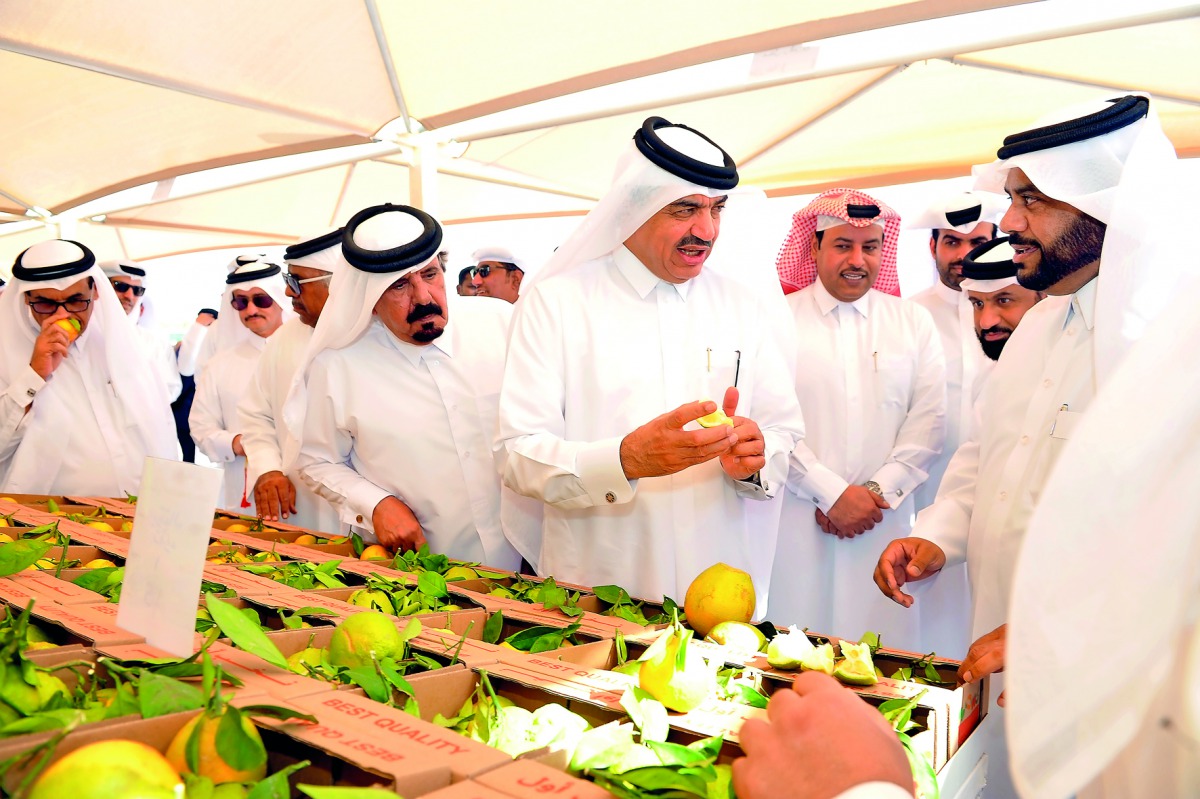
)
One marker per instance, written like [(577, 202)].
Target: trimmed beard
[(1078, 246)]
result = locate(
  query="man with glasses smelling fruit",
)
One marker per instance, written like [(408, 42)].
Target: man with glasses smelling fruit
[(256, 293), (127, 279), (79, 407)]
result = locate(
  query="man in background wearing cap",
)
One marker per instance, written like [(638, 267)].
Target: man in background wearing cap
[(128, 278), (957, 225), (998, 301), (265, 438), (396, 400), (256, 295), (81, 409), (1083, 228), (466, 283), (497, 273), (870, 377), (627, 338)]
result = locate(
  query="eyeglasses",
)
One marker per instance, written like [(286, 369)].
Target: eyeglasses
[(241, 303), (47, 307), (294, 283), (484, 271), (121, 287)]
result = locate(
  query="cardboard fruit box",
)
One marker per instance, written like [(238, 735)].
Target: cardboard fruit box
[(351, 769)]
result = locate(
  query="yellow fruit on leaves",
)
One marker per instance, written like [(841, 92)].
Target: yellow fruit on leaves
[(210, 763), (461, 573), (105, 526), (107, 770), (738, 635), (28, 699), (680, 680), (309, 655), (719, 593), (375, 552), (99, 563), (364, 637), (126, 527), (238, 527), (305, 539), (5, 538), (375, 599), (856, 668)]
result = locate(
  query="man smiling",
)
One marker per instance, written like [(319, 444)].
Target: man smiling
[(627, 336), (870, 377)]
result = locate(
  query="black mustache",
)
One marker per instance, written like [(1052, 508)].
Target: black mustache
[(995, 329), (1014, 239), (421, 311), (693, 241)]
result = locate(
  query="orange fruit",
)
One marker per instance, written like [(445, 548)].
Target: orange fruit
[(211, 764)]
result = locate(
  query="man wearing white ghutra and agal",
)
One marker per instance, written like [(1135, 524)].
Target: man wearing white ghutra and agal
[(395, 399), (622, 342), (81, 409)]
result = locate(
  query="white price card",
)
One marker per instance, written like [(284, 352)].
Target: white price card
[(171, 531)]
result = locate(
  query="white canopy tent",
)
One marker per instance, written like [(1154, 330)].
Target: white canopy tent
[(146, 129)]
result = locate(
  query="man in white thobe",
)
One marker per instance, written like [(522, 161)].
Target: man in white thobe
[(870, 377), (397, 399), (256, 297), (497, 273), (228, 331), (128, 281), (1080, 201), (957, 224), (79, 411), (267, 440), (624, 340), (998, 301)]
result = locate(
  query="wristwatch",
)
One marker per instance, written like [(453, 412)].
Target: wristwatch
[(874, 487)]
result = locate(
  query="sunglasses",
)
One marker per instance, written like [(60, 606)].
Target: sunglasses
[(120, 286), (484, 271), (241, 303), (294, 283), (47, 307)]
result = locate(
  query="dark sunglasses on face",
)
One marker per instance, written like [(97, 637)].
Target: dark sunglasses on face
[(121, 287), (294, 283), (484, 271), (48, 307), (241, 303)]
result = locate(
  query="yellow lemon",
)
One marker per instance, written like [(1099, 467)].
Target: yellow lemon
[(363, 637), (738, 635), (715, 419), (8, 499), (72, 327), (126, 527), (681, 689), (237, 527), (306, 539), (107, 769), (4, 523), (99, 563), (210, 763), (719, 593), (5, 538), (375, 552), (105, 526), (461, 573)]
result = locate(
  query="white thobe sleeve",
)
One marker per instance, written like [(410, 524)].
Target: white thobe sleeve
[(810, 479), (541, 463), (260, 439), (169, 366), (777, 414), (208, 426), (324, 462), (875, 790), (921, 437), (16, 399), (189, 348), (947, 522)]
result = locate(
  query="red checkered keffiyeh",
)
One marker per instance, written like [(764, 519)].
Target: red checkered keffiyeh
[(795, 263)]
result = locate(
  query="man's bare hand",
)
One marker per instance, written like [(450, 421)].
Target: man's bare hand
[(986, 656), (821, 740), (49, 348), (662, 446), (748, 455), (274, 496), (857, 510), (238, 449), (907, 560), (396, 526)]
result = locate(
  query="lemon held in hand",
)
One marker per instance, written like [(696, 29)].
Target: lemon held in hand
[(714, 419), (71, 326)]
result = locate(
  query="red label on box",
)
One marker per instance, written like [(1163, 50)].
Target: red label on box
[(46, 586), (526, 778)]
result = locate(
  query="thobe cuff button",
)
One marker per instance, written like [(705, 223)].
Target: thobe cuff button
[(31, 392), (358, 518), (610, 497)]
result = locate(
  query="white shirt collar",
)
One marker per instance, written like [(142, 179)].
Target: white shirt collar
[(826, 302), (641, 279), (947, 294), (1083, 302), (443, 344)]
